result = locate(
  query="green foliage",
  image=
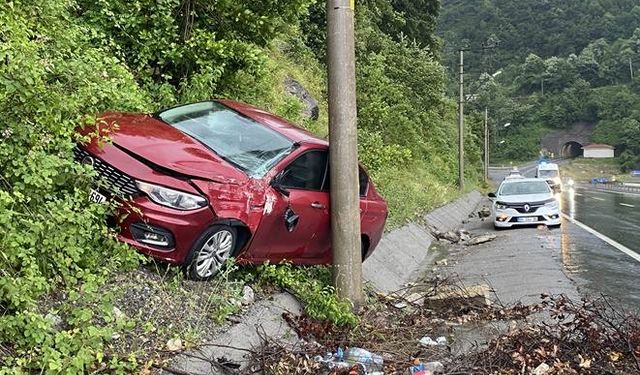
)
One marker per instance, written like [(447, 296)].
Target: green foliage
[(51, 237), (407, 127), (562, 75), (190, 48), (312, 285), (59, 63), (544, 27)]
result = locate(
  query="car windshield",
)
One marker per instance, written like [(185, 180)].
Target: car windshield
[(524, 187), (547, 173), (247, 144)]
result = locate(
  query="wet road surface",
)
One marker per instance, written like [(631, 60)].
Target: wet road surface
[(595, 264)]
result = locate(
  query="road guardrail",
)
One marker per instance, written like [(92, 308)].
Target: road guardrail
[(631, 188)]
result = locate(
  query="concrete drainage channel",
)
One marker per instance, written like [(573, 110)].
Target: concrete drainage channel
[(401, 257)]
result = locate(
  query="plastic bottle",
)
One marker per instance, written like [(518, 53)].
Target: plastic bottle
[(372, 362)]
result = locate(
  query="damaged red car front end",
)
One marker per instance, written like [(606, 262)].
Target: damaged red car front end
[(207, 181)]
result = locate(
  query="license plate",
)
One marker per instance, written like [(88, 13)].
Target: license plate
[(96, 197), (527, 219)]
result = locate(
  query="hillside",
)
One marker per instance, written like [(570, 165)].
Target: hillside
[(560, 63)]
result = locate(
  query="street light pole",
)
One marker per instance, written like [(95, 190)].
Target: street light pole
[(461, 125), (486, 145), (343, 152)]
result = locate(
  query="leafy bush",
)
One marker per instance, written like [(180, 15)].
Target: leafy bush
[(51, 237), (189, 48), (312, 285)]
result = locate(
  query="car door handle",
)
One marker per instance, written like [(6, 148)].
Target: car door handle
[(318, 205)]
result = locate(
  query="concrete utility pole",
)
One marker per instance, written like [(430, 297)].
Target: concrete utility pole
[(461, 125), (631, 67), (343, 152), (486, 145)]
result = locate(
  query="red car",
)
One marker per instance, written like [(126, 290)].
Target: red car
[(207, 181)]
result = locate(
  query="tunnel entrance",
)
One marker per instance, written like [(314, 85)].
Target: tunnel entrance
[(572, 150)]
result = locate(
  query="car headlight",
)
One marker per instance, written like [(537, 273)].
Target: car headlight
[(501, 206), (172, 198)]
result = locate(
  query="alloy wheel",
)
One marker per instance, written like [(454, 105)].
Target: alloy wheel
[(214, 253)]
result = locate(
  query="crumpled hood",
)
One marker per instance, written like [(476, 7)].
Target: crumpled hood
[(525, 198), (165, 146)]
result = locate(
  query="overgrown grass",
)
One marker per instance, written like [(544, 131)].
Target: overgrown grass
[(583, 170)]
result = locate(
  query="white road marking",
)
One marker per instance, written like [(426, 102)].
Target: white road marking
[(578, 194), (596, 198), (606, 239), (627, 205)]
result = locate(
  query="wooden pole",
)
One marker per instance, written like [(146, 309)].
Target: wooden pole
[(343, 154), (461, 125)]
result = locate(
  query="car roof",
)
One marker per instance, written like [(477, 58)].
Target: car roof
[(276, 123), (523, 179)]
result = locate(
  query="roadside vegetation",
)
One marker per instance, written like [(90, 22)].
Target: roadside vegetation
[(64, 276), (583, 170)]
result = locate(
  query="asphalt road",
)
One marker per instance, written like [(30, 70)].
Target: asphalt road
[(598, 266), (586, 256)]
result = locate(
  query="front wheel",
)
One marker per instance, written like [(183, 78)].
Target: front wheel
[(210, 252)]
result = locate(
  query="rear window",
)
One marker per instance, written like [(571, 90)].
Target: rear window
[(524, 187), (548, 173), (250, 146)]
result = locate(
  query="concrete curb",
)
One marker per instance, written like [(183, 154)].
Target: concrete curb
[(264, 319), (403, 253)]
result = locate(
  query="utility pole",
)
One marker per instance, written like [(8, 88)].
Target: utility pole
[(486, 145), (631, 67), (461, 125), (343, 152)]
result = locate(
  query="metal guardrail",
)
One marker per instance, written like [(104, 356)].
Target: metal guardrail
[(618, 187)]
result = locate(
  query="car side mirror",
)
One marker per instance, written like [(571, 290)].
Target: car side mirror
[(276, 183), (492, 195)]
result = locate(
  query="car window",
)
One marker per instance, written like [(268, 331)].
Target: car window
[(524, 187), (306, 172), (547, 173), (363, 182), (245, 143), (363, 179)]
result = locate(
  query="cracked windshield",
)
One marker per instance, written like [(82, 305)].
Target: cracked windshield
[(415, 187)]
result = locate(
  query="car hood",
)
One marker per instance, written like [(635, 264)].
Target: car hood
[(525, 198), (162, 145)]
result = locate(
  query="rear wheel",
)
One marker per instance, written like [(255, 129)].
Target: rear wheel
[(210, 252)]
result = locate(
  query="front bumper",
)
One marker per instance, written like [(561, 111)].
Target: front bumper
[(510, 217), (182, 228), (138, 215)]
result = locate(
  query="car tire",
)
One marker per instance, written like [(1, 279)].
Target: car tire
[(210, 252)]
